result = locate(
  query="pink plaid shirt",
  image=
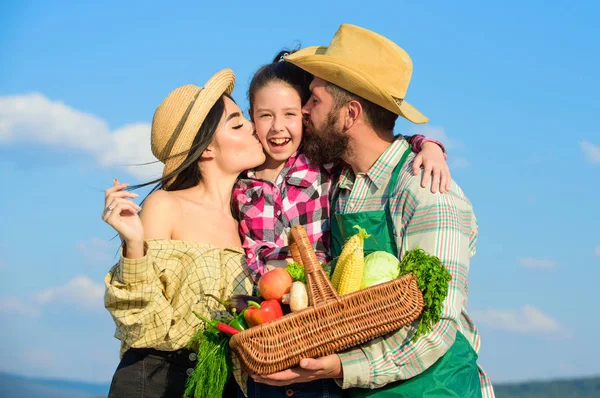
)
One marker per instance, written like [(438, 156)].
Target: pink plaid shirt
[(267, 211), (300, 196)]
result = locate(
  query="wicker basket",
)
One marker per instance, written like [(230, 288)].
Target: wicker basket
[(331, 323)]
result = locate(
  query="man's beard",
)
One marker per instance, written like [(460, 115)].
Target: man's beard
[(327, 144)]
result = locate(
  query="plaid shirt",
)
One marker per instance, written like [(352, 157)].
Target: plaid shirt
[(266, 211), (151, 299), (443, 225)]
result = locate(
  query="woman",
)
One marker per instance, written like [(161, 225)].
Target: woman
[(169, 261)]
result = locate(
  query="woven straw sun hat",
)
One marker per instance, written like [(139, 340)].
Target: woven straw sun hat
[(365, 64), (179, 117)]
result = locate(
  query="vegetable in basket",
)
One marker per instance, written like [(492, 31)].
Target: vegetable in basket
[(220, 326), (297, 272), (257, 314), (380, 267), (297, 298), (347, 275), (274, 284), (433, 280), (299, 275)]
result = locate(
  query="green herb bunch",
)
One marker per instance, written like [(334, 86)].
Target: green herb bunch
[(433, 280), (213, 364)]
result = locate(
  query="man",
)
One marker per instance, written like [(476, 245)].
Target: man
[(358, 92)]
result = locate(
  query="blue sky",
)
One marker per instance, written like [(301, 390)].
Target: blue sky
[(510, 88)]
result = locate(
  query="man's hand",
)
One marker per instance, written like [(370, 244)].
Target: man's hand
[(329, 367)]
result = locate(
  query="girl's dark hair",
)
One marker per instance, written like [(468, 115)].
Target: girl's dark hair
[(188, 173), (280, 71)]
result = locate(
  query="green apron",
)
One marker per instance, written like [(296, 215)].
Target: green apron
[(455, 374)]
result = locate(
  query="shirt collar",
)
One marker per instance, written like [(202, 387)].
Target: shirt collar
[(294, 171), (381, 170), (299, 174)]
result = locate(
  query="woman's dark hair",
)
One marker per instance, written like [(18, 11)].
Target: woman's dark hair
[(188, 173), (280, 71)]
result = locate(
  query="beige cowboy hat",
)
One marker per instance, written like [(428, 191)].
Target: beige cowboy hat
[(365, 64), (179, 117)]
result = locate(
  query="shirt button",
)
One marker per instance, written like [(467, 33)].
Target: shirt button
[(250, 255), (278, 212), (247, 200), (289, 392), (192, 357), (189, 371), (350, 205)]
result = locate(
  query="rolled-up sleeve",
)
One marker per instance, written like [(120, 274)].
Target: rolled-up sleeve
[(135, 298)]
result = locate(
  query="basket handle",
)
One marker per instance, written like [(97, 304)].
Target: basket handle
[(319, 287)]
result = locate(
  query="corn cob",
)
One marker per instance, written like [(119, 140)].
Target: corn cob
[(347, 275)]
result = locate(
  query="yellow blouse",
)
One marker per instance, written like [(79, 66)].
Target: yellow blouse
[(151, 299)]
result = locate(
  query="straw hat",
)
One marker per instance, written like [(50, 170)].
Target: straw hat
[(179, 117), (365, 64)]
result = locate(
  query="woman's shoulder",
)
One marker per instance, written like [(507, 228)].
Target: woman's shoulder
[(159, 210), (161, 200)]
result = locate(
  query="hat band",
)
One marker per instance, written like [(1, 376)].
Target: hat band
[(166, 152)]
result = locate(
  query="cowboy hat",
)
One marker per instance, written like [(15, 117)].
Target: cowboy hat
[(179, 116), (365, 64)]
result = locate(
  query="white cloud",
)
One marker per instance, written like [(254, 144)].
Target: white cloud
[(35, 118), (80, 291), (591, 152), (98, 251), (527, 320), (539, 263), (597, 251), (15, 305)]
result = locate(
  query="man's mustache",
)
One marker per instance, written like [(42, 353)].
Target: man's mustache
[(307, 123)]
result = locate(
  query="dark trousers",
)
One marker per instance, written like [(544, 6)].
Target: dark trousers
[(149, 373)]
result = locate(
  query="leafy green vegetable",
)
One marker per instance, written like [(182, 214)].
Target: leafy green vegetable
[(433, 280), (213, 365), (380, 266), (296, 271)]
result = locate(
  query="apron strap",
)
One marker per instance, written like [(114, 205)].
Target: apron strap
[(392, 185)]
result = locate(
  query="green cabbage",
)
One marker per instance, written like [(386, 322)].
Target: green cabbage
[(380, 266)]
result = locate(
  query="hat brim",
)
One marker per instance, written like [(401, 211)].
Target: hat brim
[(349, 77), (219, 84)]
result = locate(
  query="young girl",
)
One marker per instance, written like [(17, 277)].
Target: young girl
[(288, 189)]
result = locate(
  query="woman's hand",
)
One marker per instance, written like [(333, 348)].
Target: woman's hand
[(122, 214), (433, 161)]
